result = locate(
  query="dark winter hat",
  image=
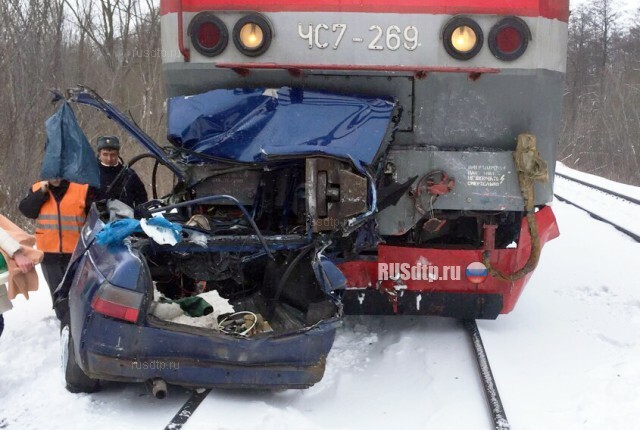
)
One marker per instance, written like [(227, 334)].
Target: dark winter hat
[(108, 142)]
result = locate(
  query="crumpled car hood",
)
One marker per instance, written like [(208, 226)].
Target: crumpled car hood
[(255, 126)]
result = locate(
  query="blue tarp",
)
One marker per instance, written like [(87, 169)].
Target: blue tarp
[(254, 125), (116, 232), (67, 153)]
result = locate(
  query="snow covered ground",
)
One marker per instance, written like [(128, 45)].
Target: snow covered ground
[(568, 357), (615, 209), (624, 189)]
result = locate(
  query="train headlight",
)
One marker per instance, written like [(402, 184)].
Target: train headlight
[(209, 35), (462, 38), (509, 38), (252, 35)]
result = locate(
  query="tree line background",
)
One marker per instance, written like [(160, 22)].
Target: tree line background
[(113, 46), (601, 125)]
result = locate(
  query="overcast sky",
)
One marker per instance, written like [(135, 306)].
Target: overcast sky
[(624, 4)]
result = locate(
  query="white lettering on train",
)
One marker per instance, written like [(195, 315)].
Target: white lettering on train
[(380, 38)]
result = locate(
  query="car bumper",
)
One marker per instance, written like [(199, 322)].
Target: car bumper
[(201, 374), (119, 351)]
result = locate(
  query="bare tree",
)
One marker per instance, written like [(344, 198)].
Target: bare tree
[(60, 43), (601, 130)]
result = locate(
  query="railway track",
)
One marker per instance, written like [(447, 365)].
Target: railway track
[(494, 402), (604, 190), (490, 388), (496, 409), (599, 215), (185, 412)]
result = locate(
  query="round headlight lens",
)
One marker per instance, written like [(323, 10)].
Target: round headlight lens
[(462, 38), (252, 35)]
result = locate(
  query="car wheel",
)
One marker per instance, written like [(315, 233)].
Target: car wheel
[(76, 380)]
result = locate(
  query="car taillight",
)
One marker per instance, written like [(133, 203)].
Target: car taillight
[(252, 35), (462, 38), (117, 302), (509, 39), (209, 35)]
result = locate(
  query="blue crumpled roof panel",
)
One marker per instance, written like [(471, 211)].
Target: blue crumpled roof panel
[(254, 126)]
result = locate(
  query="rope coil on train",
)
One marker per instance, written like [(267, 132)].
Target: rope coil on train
[(531, 168)]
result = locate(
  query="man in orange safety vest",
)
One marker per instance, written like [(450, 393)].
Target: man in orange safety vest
[(59, 208)]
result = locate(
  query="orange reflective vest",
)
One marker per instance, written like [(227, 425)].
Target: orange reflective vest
[(59, 224)]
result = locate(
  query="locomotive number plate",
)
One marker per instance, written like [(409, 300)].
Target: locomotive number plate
[(379, 38)]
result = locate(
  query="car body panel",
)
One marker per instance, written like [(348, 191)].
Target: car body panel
[(253, 126)]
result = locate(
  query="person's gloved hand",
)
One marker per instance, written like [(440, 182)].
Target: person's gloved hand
[(44, 186)]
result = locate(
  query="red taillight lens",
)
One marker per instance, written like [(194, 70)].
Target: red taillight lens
[(209, 35), (117, 303), (509, 39)]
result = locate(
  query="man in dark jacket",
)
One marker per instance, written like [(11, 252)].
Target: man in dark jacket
[(129, 189)]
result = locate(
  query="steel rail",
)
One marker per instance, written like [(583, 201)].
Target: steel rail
[(597, 187), (494, 402), (620, 228), (187, 410)]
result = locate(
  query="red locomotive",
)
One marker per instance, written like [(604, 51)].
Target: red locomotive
[(450, 235)]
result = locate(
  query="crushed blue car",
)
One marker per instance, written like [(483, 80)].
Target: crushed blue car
[(230, 280)]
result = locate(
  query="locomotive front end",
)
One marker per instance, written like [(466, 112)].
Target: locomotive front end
[(447, 211)]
